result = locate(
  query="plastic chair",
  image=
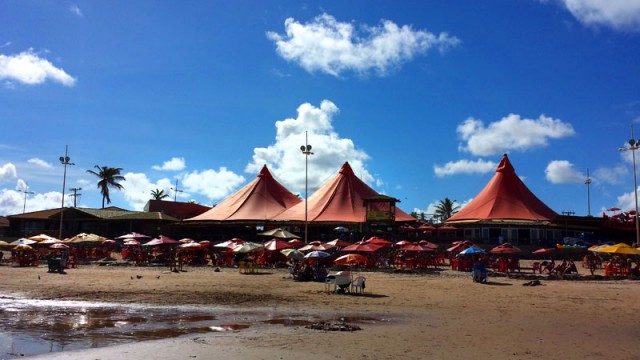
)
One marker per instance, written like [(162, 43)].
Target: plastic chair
[(357, 285)]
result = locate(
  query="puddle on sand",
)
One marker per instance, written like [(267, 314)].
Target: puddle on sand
[(31, 327)]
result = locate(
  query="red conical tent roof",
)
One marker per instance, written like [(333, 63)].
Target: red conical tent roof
[(338, 200), (261, 199), (505, 197)]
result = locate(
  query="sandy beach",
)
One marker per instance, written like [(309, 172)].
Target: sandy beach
[(440, 315)]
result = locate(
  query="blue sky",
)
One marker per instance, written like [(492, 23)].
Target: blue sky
[(422, 98)]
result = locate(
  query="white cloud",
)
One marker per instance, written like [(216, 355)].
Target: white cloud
[(626, 201), (611, 176), (7, 172), (465, 167), (431, 208), (175, 164), (616, 14), (13, 201), (76, 10), (40, 162), (510, 133), (213, 184), (562, 172), (287, 163), (139, 187), (28, 68), (333, 47)]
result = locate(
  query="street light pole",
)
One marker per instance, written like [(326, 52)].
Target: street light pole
[(306, 150), (26, 191), (588, 182), (64, 160), (633, 146), (75, 195)]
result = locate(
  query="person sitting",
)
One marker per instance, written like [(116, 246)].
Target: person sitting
[(479, 272)]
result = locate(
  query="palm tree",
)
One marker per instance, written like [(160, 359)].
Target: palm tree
[(109, 177), (158, 194), (446, 208)]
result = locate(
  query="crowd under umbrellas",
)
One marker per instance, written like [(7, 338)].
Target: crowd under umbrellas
[(281, 248)]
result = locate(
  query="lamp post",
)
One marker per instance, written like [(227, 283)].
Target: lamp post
[(306, 150), (633, 146), (588, 182), (64, 160), (25, 191)]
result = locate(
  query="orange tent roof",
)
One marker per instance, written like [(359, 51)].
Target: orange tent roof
[(505, 197), (338, 200), (261, 199)]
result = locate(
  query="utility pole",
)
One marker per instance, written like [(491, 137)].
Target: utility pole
[(176, 191), (75, 195), (26, 192)]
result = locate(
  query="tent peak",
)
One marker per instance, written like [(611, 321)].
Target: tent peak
[(264, 172), (505, 165), (346, 169)]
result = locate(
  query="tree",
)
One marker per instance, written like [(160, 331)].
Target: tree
[(446, 208), (109, 178), (158, 194)]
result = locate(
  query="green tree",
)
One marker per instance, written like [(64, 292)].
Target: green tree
[(446, 208), (158, 194), (109, 178)]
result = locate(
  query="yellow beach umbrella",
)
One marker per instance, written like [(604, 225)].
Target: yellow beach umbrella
[(620, 248)]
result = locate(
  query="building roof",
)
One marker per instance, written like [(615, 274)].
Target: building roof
[(340, 199), (261, 199), (505, 197), (176, 209)]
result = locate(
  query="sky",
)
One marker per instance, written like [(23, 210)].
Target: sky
[(422, 98)]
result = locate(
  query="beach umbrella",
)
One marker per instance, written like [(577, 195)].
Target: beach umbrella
[(456, 248), (341, 229), (620, 248), (276, 244), (316, 247), (42, 237), (406, 227), (425, 228), (190, 245), (131, 243), (247, 247), (50, 241), (133, 235), (351, 259), (185, 240), (447, 228), (160, 240), (378, 241), (429, 244), (279, 233), (403, 242), (59, 246), (339, 243), (296, 243), (471, 251), (292, 254), (230, 244), (316, 254), (85, 238), (505, 248), (415, 247), (362, 247), (543, 251), (22, 247), (205, 243), (4, 243), (23, 241), (109, 242)]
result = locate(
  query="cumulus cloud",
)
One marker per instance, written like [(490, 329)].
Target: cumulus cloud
[(13, 201), (562, 172), (28, 68), (612, 176), (213, 184), (327, 45), (175, 164), (617, 14), (76, 10), (7, 172), (510, 133), (285, 160), (41, 163), (626, 201), (465, 167), (139, 187)]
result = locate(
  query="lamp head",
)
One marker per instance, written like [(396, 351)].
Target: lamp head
[(632, 142), (62, 159), (308, 147), (302, 148)]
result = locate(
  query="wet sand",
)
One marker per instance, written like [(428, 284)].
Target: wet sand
[(438, 316)]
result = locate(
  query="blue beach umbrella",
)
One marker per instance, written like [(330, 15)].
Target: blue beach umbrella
[(317, 254), (472, 250)]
